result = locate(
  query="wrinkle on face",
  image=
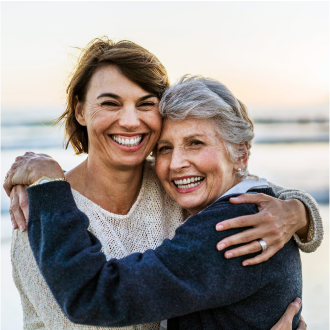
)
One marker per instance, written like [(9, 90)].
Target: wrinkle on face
[(192, 147), (114, 105)]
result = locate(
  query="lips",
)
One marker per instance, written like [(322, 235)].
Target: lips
[(127, 141)]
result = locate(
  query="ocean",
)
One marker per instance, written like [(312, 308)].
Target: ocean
[(290, 153)]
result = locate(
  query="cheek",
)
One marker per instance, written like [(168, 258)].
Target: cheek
[(154, 121), (208, 162), (101, 120), (161, 167)]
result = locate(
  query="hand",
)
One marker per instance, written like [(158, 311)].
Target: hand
[(275, 223), (285, 322), (29, 168), (19, 207)]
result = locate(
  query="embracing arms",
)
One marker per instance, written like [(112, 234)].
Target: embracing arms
[(275, 223), (172, 280)]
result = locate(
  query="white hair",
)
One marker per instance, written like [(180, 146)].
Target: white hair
[(205, 98)]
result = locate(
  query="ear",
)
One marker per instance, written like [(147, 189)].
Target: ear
[(79, 112), (242, 160)]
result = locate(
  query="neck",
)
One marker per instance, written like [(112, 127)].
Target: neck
[(114, 189)]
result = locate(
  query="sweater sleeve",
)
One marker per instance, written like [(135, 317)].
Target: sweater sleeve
[(315, 231), (31, 318), (175, 279)]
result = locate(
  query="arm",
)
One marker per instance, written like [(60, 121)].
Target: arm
[(140, 288), (31, 318), (276, 222), (24, 171), (314, 235)]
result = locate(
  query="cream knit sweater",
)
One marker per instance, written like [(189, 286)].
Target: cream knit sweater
[(152, 218)]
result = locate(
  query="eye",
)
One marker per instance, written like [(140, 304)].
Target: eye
[(163, 149), (196, 142), (147, 104), (109, 104)]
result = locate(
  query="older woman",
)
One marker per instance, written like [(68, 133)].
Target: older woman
[(201, 160)]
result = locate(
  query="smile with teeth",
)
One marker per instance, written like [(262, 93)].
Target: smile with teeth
[(127, 142), (189, 182)]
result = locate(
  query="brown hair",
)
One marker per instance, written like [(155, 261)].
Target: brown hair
[(135, 62)]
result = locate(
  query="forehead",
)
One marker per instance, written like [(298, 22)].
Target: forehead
[(110, 78), (187, 127)]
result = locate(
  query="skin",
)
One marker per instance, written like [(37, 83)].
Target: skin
[(116, 189), (193, 149), (189, 149), (115, 107)]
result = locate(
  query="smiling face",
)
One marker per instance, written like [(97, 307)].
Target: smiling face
[(193, 163), (122, 119)]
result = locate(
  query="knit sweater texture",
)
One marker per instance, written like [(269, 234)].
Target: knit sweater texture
[(152, 218)]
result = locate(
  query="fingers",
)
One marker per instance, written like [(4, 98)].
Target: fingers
[(292, 310), (245, 236), (7, 185), (264, 256), (19, 207), (243, 250), (302, 324), (239, 222), (250, 199), (23, 201), (285, 322)]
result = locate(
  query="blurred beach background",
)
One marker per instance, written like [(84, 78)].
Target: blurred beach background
[(272, 55)]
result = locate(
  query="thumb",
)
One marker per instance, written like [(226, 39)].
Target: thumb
[(291, 311)]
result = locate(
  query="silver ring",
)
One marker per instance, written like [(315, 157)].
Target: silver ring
[(263, 245)]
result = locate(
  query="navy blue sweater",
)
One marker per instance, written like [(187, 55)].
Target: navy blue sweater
[(185, 280)]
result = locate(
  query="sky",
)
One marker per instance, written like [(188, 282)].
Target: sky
[(271, 55)]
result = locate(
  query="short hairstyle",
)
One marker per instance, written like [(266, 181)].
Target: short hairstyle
[(134, 62), (205, 98)]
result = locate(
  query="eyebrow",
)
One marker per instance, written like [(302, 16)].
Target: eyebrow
[(193, 136), (187, 138), (117, 97)]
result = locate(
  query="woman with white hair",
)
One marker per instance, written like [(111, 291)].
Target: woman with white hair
[(201, 160)]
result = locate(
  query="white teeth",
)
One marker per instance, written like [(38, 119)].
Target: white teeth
[(188, 183), (127, 142)]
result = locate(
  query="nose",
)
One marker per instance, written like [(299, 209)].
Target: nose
[(129, 118), (179, 160)]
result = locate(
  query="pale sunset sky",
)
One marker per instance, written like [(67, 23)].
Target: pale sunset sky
[(272, 55)]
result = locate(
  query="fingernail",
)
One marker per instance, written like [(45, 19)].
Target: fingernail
[(14, 225), (221, 246), (298, 302), (219, 227), (21, 227), (245, 263), (233, 198), (228, 255)]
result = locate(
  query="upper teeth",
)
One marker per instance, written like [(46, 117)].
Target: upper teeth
[(189, 182), (126, 141)]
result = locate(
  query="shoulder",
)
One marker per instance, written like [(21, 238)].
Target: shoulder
[(203, 224), (223, 210)]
